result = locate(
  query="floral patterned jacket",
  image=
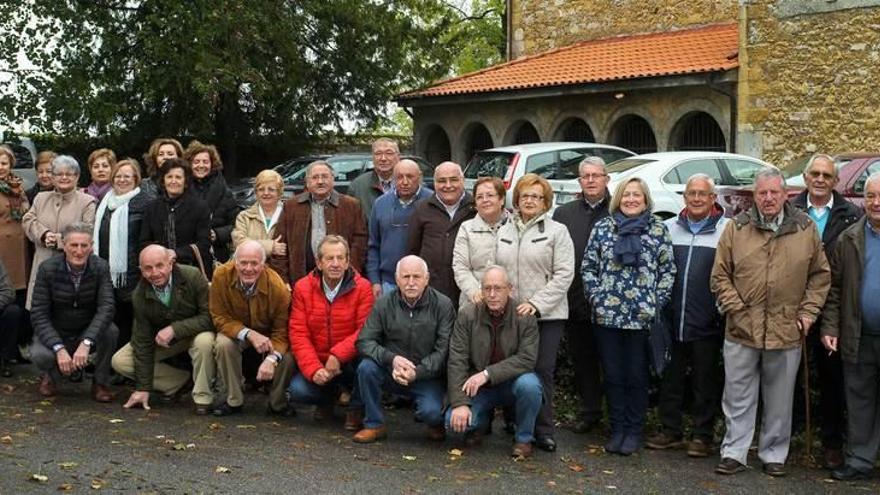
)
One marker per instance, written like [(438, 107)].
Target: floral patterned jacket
[(623, 296)]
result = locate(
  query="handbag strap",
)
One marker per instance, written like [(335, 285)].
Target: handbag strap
[(198, 255)]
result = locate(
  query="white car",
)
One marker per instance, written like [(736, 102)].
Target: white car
[(667, 173), (557, 162)]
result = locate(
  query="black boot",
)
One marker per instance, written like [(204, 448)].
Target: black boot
[(5, 368)]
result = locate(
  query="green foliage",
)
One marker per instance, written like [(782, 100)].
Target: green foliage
[(480, 37)]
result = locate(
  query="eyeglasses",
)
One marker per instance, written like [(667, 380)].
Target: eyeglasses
[(492, 289), (481, 197), (825, 175), (697, 194), (589, 177), (64, 174), (124, 177), (531, 197)]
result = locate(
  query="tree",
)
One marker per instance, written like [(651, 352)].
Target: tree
[(223, 70)]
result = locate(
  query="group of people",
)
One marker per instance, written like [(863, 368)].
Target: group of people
[(449, 299)]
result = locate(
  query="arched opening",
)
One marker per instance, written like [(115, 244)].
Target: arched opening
[(575, 129), (635, 134), (697, 131), (477, 138), (523, 133), (437, 147)]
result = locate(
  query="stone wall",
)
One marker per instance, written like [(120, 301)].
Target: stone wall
[(539, 25), (808, 80)]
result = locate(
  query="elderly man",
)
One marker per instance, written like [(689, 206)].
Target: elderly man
[(72, 314), (404, 344), (851, 325), (249, 305), (832, 214), (318, 211), (770, 279), (10, 319), (696, 326), (330, 305), (170, 317), (579, 216), (434, 225), (371, 184), (389, 225), (492, 356)]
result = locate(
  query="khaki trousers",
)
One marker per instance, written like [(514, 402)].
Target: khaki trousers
[(168, 379), (227, 353)]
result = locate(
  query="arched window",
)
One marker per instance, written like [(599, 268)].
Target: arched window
[(436, 147), (635, 134), (697, 131), (575, 129)]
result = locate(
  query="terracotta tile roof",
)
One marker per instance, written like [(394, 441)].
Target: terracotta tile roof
[(705, 49)]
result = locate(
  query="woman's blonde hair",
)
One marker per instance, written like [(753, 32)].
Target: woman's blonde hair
[(130, 162), (530, 180), (614, 204), (269, 176)]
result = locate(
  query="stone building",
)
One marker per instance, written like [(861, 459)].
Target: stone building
[(775, 79)]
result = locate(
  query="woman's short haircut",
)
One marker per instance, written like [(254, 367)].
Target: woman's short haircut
[(530, 180), (129, 162), (6, 150), (497, 185), (171, 164), (152, 155), (614, 204), (45, 157), (65, 161), (195, 147), (269, 177), (101, 153)]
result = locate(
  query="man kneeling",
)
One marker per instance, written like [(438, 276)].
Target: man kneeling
[(492, 355)]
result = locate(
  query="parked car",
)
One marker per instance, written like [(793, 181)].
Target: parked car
[(667, 174), (25, 156), (242, 188), (853, 170), (557, 162)]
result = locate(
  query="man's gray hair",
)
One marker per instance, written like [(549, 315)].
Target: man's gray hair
[(331, 239), (770, 173), (77, 228), (821, 156), (65, 161), (871, 179), (496, 268), (703, 177), (250, 243), (319, 163), (591, 160), (385, 140), (422, 263)]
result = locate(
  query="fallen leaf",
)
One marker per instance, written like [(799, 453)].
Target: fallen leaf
[(115, 442), (160, 437), (117, 421), (170, 440), (409, 457), (6, 439), (611, 487), (433, 478), (551, 483), (607, 471), (246, 427), (222, 469), (215, 426), (97, 484), (42, 478), (179, 446), (38, 411), (456, 452), (190, 445), (67, 465), (66, 487), (575, 467), (46, 403)]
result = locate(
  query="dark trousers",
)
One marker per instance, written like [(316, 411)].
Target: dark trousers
[(105, 346), (584, 352), (124, 320), (548, 347), (306, 392), (25, 331), (624, 355), (862, 381), (832, 399), (702, 356), (10, 322)]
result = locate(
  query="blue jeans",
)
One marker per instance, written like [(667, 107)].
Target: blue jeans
[(624, 355), (306, 392), (524, 393), (373, 377)]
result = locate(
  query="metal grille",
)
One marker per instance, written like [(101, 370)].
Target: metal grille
[(635, 134), (699, 132), (437, 148), (478, 139), (526, 134), (577, 130)]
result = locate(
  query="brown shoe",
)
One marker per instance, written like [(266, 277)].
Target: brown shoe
[(833, 458), (521, 451), (323, 412), (47, 386), (370, 435), (663, 441), (436, 433), (697, 448), (102, 393), (354, 420)]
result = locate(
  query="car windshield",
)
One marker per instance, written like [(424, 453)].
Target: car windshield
[(488, 164), (625, 164)]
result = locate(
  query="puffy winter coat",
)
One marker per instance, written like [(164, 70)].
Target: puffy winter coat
[(475, 248), (177, 223), (212, 189)]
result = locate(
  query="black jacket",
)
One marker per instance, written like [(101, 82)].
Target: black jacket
[(60, 312), (579, 217), (214, 191), (843, 214), (177, 223), (136, 207)]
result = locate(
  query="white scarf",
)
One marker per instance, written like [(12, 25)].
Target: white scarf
[(118, 242), (272, 221)]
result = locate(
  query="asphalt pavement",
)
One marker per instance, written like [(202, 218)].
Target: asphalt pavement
[(70, 443)]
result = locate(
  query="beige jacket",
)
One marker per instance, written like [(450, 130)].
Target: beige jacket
[(52, 212), (249, 225), (474, 252), (764, 281)]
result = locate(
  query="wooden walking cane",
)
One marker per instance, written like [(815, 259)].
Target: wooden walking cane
[(806, 373)]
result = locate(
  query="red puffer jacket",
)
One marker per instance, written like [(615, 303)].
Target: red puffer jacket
[(319, 328)]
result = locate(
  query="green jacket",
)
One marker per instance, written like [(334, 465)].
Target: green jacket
[(471, 345), (420, 334), (842, 314), (187, 314)]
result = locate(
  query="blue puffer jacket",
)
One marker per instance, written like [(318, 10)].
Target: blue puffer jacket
[(624, 296), (692, 312)]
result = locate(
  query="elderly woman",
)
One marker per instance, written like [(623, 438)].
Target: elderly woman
[(101, 162), (13, 246), (52, 211), (117, 238), (477, 239), (628, 273), (210, 186), (538, 254), (178, 219), (161, 149), (259, 221), (43, 168)]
